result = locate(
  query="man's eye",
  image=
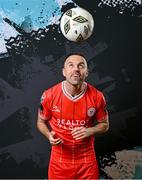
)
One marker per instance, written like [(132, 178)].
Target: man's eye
[(70, 65), (81, 66)]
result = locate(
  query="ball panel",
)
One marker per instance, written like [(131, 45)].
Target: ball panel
[(69, 13), (80, 19), (67, 27), (79, 38)]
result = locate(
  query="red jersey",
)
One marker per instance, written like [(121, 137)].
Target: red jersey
[(65, 112)]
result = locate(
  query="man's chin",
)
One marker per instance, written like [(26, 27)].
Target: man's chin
[(75, 83)]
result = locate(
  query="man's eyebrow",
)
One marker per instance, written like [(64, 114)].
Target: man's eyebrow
[(69, 62), (72, 62), (82, 63)]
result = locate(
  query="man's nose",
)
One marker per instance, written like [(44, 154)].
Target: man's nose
[(76, 68)]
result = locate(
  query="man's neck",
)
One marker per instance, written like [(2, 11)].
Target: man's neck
[(74, 90)]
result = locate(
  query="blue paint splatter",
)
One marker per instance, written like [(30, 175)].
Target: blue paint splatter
[(40, 11)]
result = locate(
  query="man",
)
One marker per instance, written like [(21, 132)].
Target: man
[(71, 108)]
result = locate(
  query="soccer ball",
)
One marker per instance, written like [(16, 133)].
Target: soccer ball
[(77, 24)]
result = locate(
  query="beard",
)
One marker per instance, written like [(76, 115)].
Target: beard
[(75, 81)]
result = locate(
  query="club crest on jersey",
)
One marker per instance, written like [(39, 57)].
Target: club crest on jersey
[(91, 111)]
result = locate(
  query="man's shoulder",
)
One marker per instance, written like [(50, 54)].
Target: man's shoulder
[(92, 89)]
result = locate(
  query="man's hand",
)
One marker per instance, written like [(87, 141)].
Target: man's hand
[(53, 140), (81, 133)]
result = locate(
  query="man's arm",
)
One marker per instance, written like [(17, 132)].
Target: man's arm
[(83, 132), (50, 135), (100, 127)]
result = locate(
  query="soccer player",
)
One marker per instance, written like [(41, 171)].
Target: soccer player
[(76, 111)]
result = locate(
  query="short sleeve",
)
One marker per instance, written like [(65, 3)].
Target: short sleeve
[(44, 109), (102, 113)]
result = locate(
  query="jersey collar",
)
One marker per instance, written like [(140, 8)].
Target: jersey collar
[(69, 96)]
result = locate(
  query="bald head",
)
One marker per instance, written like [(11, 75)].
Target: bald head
[(75, 57)]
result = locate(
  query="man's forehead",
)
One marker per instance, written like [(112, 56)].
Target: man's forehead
[(75, 58)]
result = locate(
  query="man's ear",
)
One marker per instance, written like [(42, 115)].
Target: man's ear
[(87, 73), (63, 72)]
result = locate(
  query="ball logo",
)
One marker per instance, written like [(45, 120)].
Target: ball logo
[(91, 111)]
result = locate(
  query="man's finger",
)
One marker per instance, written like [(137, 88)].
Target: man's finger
[(81, 135), (77, 129), (57, 143), (78, 132)]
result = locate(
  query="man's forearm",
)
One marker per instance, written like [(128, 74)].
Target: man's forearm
[(42, 127), (99, 128)]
